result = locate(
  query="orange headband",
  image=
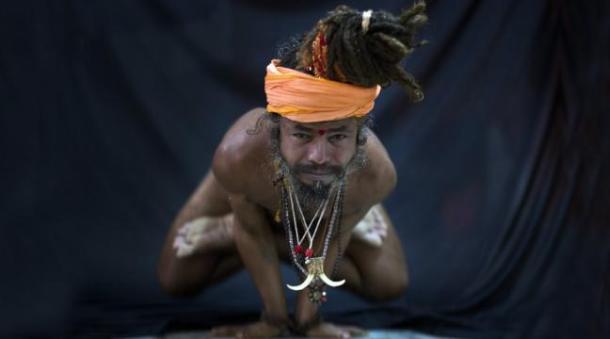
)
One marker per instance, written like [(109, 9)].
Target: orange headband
[(304, 98)]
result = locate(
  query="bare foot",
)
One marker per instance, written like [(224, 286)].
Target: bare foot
[(205, 234), (255, 330), (327, 330), (372, 229)]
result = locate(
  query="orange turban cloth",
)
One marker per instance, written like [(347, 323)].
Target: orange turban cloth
[(305, 98)]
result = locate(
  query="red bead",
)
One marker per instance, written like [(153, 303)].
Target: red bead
[(309, 253), (298, 249)]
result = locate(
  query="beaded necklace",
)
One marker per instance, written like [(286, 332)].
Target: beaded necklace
[(312, 267)]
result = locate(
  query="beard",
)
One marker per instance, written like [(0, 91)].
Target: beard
[(311, 195)]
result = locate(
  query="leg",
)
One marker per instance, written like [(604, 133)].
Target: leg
[(367, 268), (217, 258)]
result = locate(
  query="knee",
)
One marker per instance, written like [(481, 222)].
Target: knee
[(389, 288), (175, 287)]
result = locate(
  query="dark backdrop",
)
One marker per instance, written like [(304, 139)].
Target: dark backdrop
[(110, 112)]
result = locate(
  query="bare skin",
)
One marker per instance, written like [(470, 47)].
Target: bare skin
[(239, 200)]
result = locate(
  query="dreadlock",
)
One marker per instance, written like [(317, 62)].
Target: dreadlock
[(363, 58)]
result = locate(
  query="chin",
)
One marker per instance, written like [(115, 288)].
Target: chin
[(311, 182)]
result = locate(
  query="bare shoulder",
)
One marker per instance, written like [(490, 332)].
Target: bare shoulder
[(241, 151), (379, 169), (376, 180)]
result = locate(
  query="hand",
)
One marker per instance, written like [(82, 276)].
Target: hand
[(254, 330), (324, 329)]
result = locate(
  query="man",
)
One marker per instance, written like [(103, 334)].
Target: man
[(302, 181)]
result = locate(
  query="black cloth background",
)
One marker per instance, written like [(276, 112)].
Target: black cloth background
[(110, 112)]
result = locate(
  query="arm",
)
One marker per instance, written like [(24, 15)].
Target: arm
[(307, 312), (255, 244)]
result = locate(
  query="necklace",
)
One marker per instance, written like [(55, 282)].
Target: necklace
[(311, 267), (311, 235)]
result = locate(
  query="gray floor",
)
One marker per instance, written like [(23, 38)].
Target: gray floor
[(374, 334)]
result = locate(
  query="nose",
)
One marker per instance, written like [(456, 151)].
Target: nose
[(318, 152)]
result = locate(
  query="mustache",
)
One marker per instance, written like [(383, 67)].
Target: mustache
[(317, 169)]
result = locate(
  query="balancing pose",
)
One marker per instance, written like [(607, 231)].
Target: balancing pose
[(303, 180)]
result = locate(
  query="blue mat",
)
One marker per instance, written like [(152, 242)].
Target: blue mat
[(372, 334)]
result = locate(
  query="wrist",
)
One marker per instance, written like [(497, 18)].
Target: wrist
[(305, 309), (281, 322), (303, 326)]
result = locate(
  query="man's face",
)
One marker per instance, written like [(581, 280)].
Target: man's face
[(317, 153)]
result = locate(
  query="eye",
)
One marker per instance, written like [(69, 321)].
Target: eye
[(302, 136), (337, 137)]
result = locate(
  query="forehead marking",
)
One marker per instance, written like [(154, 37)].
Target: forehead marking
[(322, 131)]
